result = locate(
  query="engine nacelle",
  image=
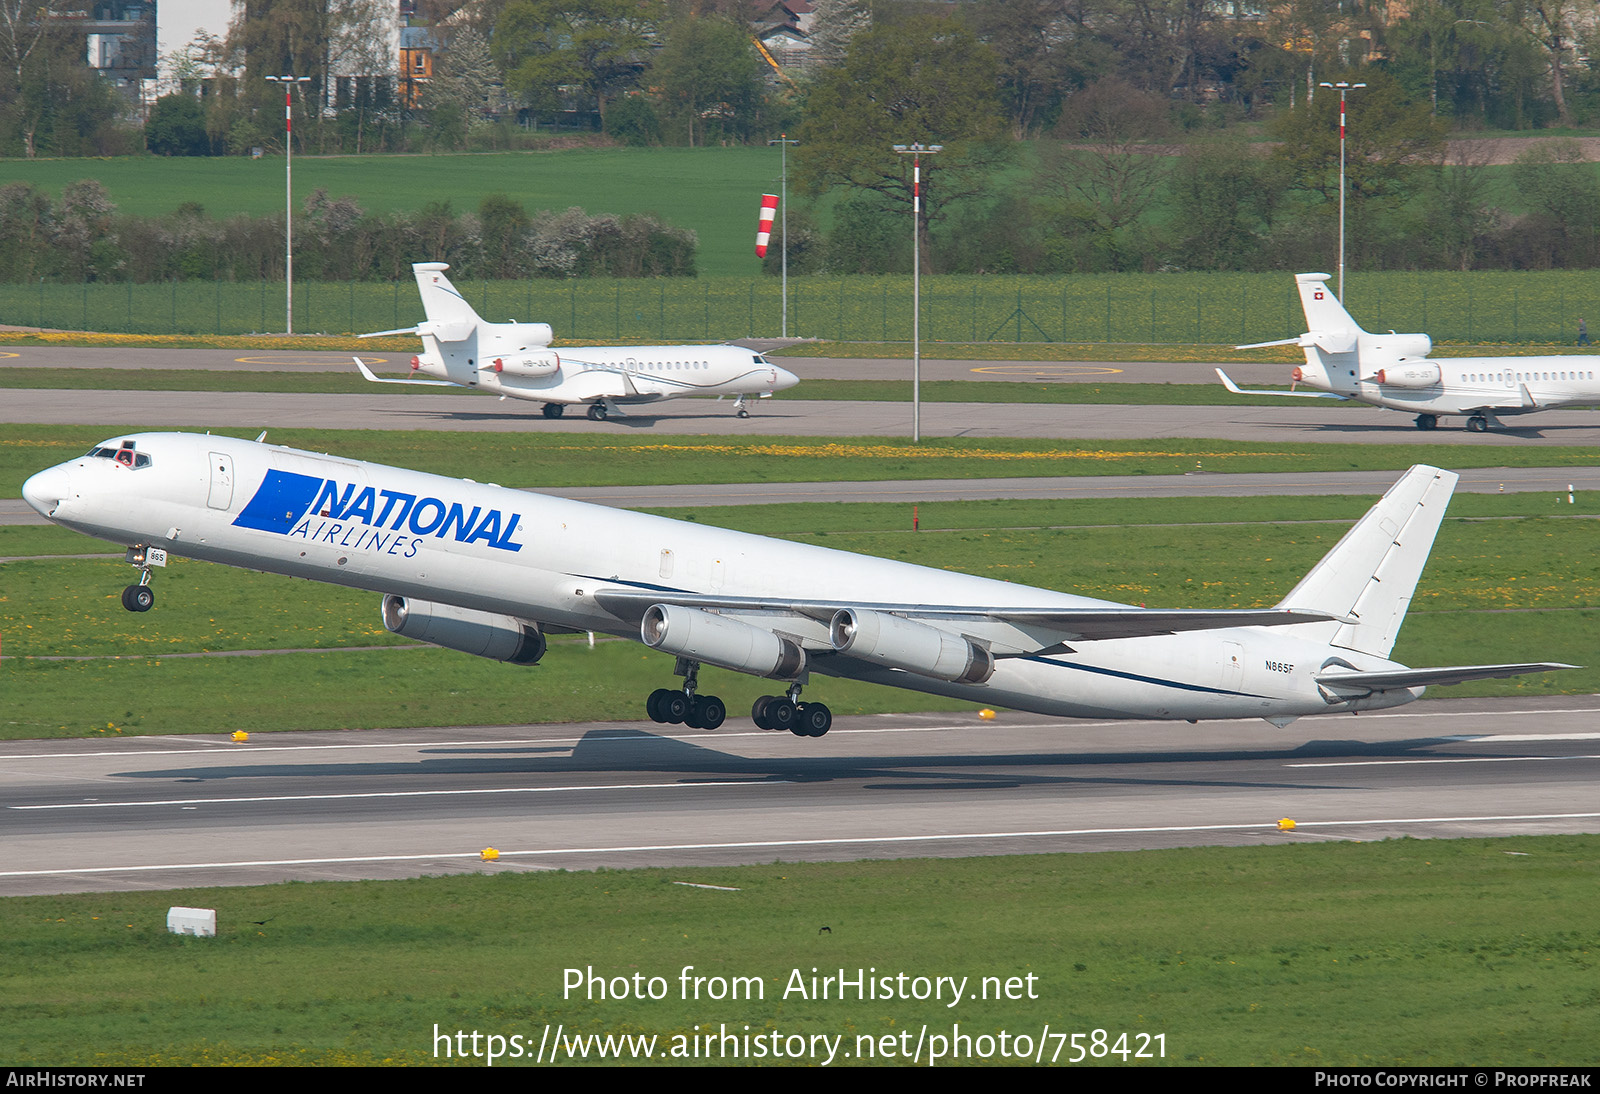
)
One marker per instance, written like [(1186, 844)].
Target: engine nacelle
[(535, 363), (1408, 376), (719, 640), (900, 643), (482, 634)]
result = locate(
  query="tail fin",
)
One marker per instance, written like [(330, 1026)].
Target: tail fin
[(447, 310), (1370, 574), (1325, 315)]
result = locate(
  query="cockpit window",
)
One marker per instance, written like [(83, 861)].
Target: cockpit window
[(127, 457)]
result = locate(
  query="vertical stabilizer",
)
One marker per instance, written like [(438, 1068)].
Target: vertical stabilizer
[(452, 317), (1370, 574), (1325, 315)]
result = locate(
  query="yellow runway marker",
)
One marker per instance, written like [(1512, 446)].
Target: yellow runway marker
[(1048, 371), (330, 359)]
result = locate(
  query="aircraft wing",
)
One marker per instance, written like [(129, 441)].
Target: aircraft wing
[(1414, 678), (1237, 390), (367, 372), (1086, 624)]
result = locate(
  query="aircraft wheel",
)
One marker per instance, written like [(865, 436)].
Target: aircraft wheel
[(814, 720), (674, 707), (758, 712), (708, 712), (1427, 421), (781, 714), (138, 598), (554, 410), (597, 412), (1477, 424), (743, 413), (653, 704)]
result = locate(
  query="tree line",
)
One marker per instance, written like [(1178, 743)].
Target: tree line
[(82, 238)]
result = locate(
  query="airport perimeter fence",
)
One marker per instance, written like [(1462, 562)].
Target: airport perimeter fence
[(1155, 308)]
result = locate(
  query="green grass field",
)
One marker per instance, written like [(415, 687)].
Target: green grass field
[(714, 191), (1176, 309), (591, 459), (1398, 953)]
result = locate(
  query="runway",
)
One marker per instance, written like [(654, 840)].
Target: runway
[(165, 812), (467, 412)]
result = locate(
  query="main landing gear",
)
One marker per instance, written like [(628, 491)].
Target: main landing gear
[(554, 410), (1427, 421), (1477, 424), (141, 597), (685, 707), (597, 412), (787, 712), (696, 711)]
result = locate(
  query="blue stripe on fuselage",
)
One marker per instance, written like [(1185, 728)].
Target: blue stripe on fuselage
[(282, 499)]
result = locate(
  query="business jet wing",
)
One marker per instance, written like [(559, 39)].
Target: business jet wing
[(1085, 624), (367, 372), (1413, 678), (1237, 390)]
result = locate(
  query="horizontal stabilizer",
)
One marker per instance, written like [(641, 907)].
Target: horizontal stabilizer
[(1416, 678), (367, 372), (1228, 383), (382, 333)]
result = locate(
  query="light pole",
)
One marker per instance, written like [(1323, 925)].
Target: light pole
[(1344, 88), (288, 83), (916, 151), (783, 142)]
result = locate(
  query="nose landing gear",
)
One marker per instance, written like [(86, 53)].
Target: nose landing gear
[(141, 597)]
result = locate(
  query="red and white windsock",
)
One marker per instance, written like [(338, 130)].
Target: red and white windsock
[(769, 208)]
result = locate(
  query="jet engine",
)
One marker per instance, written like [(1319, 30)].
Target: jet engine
[(537, 363), (1409, 376), (899, 643), (719, 640), (482, 634)]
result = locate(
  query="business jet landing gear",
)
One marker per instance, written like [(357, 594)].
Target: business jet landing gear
[(684, 707), (738, 405), (788, 712), (597, 412), (1477, 424), (1427, 421), (141, 597), (554, 410)]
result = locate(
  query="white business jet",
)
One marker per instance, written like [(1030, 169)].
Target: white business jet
[(514, 360), (488, 570), (1392, 370)]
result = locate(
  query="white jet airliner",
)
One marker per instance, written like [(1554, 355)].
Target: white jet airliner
[(488, 570), (515, 360), (1392, 370)]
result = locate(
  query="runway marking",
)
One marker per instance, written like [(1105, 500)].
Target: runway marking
[(1443, 760), (1047, 368), (329, 359), (851, 841), (190, 803)]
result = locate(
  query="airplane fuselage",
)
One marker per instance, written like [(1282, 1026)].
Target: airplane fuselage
[(565, 564), (620, 374), (1460, 385)]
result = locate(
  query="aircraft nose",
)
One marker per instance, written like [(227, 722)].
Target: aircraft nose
[(47, 490), (783, 379)]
